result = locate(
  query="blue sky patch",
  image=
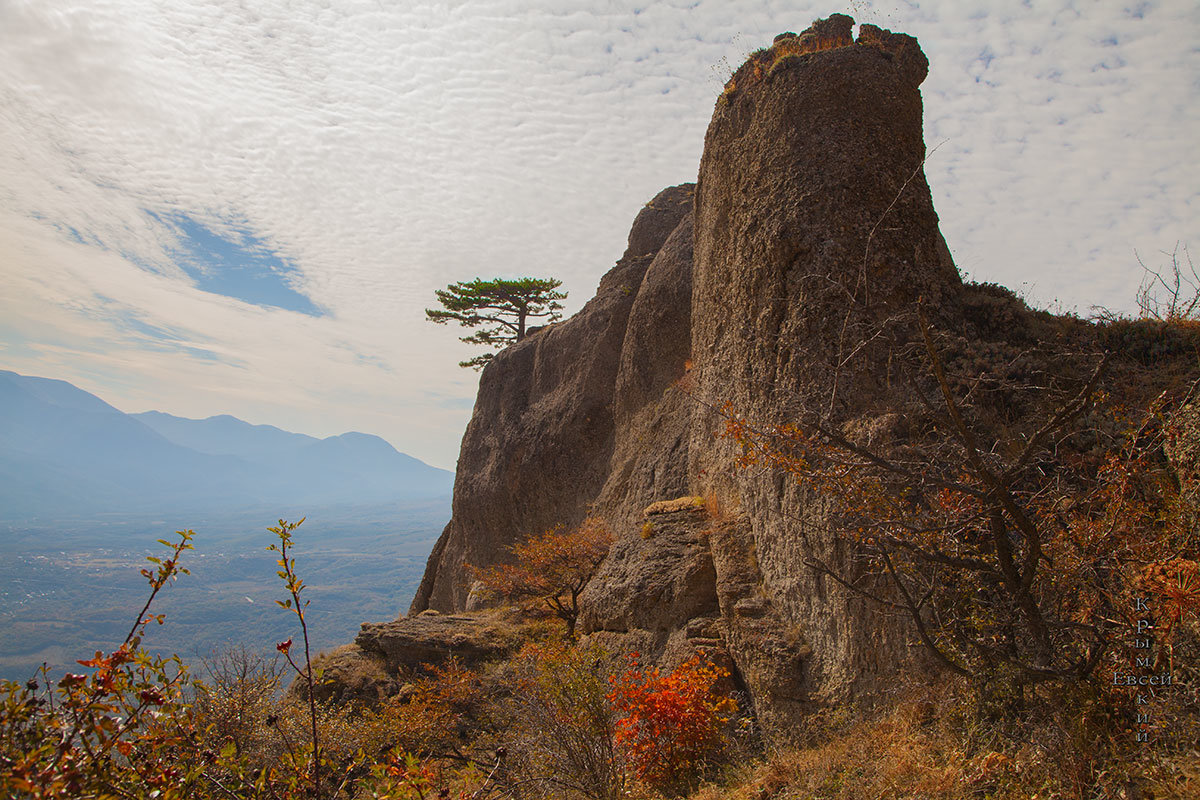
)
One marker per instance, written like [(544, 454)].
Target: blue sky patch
[(238, 265), (159, 337)]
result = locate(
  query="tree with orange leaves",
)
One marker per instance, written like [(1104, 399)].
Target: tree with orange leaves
[(1009, 543), (552, 567)]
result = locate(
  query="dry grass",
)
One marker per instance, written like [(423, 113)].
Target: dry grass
[(928, 748), (518, 625), (671, 506), (899, 755), (794, 47), (728, 92)]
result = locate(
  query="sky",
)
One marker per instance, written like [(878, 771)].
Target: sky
[(244, 206)]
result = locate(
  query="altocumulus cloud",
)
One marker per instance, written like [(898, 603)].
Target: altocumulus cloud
[(218, 208)]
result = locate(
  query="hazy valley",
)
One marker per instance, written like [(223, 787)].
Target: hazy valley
[(71, 549)]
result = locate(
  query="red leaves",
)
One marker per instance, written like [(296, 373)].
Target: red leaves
[(672, 722), (284, 646), (1176, 584)]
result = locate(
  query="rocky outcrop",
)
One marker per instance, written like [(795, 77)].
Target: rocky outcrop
[(656, 579), (348, 676), (385, 654), (537, 450), (811, 220), (431, 638), (813, 225), (783, 283)]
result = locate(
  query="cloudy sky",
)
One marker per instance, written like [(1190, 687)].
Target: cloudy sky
[(244, 206)]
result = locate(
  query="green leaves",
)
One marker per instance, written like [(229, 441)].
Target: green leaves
[(505, 305), (295, 586)]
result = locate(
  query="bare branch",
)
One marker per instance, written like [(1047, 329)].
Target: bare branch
[(915, 613)]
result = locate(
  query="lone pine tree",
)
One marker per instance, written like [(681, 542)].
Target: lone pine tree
[(504, 305)]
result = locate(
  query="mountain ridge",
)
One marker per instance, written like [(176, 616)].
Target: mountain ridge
[(66, 451)]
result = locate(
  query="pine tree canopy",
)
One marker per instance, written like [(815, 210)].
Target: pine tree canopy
[(504, 306)]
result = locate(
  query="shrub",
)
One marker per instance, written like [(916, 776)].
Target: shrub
[(552, 568), (566, 732), (433, 714), (232, 704), (123, 730), (671, 725)]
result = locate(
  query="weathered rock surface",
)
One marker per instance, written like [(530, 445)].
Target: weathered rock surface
[(813, 222), (655, 580), (431, 638), (809, 228), (811, 217), (651, 419), (349, 675), (537, 449), (385, 654)]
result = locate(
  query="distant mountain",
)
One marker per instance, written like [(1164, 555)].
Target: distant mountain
[(65, 452), (352, 467), (224, 435)]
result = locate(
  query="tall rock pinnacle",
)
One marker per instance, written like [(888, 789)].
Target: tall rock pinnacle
[(811, 223)]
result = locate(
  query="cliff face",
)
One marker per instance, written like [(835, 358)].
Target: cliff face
[(811, 220), (538, 448)]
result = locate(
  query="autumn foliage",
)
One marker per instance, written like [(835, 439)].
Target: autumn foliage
[(433, 718), (670, 724), (1010, 544), (551, 568), (135, 725), (565, 728), (999, 563)]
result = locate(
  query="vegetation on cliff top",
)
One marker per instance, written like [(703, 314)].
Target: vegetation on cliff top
[(505, 306)]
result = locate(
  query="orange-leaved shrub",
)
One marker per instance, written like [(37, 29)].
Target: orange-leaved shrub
[(552, 568), (671, 725), (122, 730), (435, 716)]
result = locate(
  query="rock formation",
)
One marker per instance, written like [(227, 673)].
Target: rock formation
[(813, 220), (809, 228), (811, 188), (537, 450)]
